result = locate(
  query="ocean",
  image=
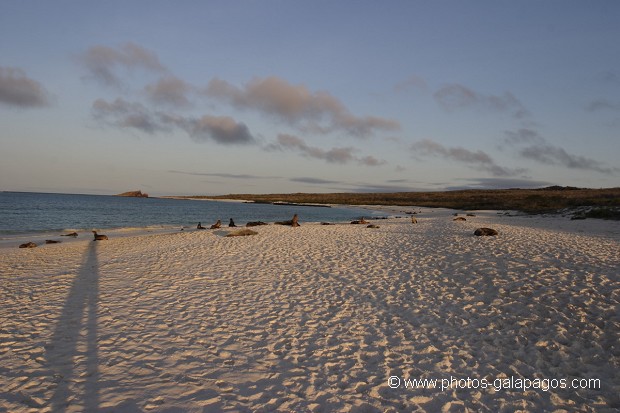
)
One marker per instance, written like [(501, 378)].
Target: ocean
[(27, 214)]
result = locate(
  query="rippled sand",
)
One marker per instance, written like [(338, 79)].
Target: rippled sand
[(315, 318)]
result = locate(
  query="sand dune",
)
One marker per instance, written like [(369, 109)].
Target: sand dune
[(315, 318)]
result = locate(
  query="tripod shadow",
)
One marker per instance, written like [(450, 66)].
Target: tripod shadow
[(72, 354)]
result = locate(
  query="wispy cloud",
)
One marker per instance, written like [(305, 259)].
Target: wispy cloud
[(414, 82), (134, 115), (123, 114), (476, 159), (538, 149), (317, 112), (455, 96), (602, 104), (334, 155), (223, 175), (313, 181), (499, 183), (104, 63), (17, 89)]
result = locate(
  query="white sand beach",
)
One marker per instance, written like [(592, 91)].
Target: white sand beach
[(316, 318)]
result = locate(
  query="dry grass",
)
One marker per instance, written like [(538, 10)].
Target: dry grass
[(527, 200)]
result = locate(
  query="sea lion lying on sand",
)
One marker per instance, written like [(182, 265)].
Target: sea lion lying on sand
[(255, 223), (28, 245), (293, 222), (99, 237), (71, 234), (485, 232), (217, 225), (361, 221)]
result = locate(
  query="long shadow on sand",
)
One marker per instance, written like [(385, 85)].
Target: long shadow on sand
[(72, 354)]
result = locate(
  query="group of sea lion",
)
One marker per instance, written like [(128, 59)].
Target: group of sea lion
[(97, 237)]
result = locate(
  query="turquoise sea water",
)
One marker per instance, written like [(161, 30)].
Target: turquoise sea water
[(39, 213)]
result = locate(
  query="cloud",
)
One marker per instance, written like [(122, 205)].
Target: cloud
[(479, 160), (224, 175), (169, 90), (314, 181), (103, 62), (317, 112), (17, 89), (549, 154), (414, 82), (334, 155), (124, 114), (541, 151), (454, 96), (500, 183), (523, 136), (371, 161), (602, 104), (221, 129)]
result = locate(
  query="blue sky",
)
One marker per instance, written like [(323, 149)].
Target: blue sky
[(218, 97)]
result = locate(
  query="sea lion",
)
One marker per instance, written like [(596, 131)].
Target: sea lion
[(199, 226), (217, 225), (51, 241), (231, 223), (71, 234), (255, 223), (99, 237), (28, 245), (361, 221), (481, 232), (293, 222)]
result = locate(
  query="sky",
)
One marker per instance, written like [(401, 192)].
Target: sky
[(222, 97)]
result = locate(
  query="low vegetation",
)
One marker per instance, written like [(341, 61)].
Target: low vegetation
[(533, 201)]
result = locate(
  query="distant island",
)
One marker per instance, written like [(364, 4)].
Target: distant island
[(134, 194)]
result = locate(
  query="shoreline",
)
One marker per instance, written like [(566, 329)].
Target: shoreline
[(595, 227)]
